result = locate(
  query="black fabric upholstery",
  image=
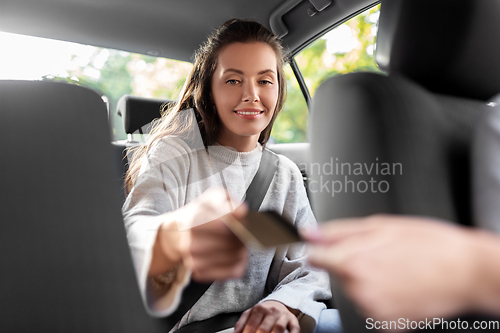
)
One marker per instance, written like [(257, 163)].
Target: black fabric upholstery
[(299, 153), (442, 65), (373, 119), (138, 111), (120, 156), (66, 264), (449, 46)]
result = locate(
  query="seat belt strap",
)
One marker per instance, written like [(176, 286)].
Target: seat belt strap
[(254, 196), (262, 180)]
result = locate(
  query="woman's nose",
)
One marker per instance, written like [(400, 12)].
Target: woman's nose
[(250, 93)]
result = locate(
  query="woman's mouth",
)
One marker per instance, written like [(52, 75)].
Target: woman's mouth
[(249, 113)]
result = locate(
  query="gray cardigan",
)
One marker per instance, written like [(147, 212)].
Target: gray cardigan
[(176, 173)]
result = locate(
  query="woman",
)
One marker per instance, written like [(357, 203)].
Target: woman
[(213, 138)]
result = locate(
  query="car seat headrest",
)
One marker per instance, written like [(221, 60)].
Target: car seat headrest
[(138, 111), (448, 46)]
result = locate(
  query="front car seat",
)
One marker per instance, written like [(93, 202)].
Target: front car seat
[(66, 263), (401, 143)]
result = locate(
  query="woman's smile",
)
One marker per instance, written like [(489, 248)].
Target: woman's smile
[(249, 114)]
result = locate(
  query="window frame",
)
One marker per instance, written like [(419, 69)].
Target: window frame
[(293, 64)]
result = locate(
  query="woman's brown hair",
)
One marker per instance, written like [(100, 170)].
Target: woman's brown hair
[(197, 91)]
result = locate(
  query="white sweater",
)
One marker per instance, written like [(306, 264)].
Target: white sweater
[(175, 174)]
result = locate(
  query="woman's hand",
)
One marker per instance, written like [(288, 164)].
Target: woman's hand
[(197, 237), (268, 316), (212, 252)]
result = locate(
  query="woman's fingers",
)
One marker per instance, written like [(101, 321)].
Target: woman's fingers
[(213, 252), (206, 245), (273, 322), (215, 236), (240, 324), (286, 322), (256, 316), (211, 205), (268, 316), (240, 211), (220, 269)]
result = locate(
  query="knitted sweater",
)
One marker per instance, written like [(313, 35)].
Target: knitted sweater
[(174, 174)]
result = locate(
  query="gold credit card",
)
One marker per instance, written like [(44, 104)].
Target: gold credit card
[(265, 228)]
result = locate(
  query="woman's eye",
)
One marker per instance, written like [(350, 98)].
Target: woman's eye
[(232, 82), (265, 82)]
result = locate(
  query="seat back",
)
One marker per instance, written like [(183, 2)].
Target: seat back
[(298, 153), (401, 143), (393, 146), (66, 264), (404, 139), (138, 114)]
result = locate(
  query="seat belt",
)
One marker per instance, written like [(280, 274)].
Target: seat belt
[(254, 196), (257, 189)]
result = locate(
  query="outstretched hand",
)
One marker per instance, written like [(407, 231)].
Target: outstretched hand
[(267, 317), (198, 238), (399, 267), (212, 252)]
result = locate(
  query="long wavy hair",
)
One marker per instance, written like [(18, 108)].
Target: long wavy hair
[(197, 90)]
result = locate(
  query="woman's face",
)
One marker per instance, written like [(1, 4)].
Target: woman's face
[(245, 90)]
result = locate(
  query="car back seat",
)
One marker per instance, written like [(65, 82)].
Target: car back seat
[(138, 114), (299, 153)]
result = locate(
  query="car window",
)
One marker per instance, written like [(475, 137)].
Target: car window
[(291, 123), (112, 73), (347, 48)]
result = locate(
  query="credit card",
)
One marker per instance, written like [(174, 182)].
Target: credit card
[(266, 228)]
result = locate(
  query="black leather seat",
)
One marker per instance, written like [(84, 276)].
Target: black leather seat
[(138, 113), (401, 143), (298, 153), (66, 264)]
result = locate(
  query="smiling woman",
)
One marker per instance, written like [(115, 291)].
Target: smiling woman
[(245, 88), (199, 161)]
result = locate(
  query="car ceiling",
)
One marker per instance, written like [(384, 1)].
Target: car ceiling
[(166, 28)]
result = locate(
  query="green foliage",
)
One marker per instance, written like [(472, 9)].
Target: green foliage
[(292, 117), (317, 64), (112, 80)]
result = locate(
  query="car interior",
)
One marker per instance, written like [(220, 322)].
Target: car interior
[(64, 251), (421, 116)]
